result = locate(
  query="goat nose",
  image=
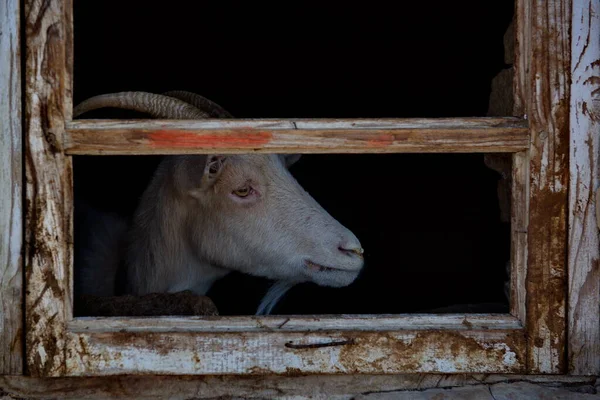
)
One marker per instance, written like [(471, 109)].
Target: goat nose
[(351, 247)]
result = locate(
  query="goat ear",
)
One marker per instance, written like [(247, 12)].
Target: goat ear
[(290, 159), (212, 170)]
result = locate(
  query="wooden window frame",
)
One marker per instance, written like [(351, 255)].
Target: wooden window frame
[(550, 229)]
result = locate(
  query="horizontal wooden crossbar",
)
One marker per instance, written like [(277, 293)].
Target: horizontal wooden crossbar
[(433, 135), (298, 353), (294, 323)]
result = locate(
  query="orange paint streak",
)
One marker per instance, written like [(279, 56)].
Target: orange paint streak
[(380, 140), (183, 139)]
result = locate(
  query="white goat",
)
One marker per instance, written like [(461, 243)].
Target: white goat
[(203, 216)]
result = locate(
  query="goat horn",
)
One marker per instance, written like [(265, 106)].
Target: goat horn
[(200, 102), (156, 105)]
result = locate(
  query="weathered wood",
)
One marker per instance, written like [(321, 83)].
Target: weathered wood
[(283, 353), (457, 322), (526, 390), (48, 253), (461, 135), (475, 392), (543, 95), (519, 236), (11, 184), (368, 344), (584, 239), (260, 387)]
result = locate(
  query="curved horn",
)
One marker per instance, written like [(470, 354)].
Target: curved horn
[(157, 105), (200, 102)]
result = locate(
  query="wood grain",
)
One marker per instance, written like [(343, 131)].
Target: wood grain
[(261, 345), (519, 235), (457, 322), (584, 240), (48, 253), (460, 135), (11, 186), (543, 96), (269, 352), (337, 387)]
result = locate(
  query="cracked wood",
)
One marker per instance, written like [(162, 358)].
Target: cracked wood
[(48, 239), (11, 185), (542, 94), (435, 135), (231, 386), (584, 240)]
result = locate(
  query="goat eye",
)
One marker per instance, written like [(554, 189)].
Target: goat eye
[(243, 192)]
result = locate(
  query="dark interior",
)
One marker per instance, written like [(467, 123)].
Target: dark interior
[(430, 223)]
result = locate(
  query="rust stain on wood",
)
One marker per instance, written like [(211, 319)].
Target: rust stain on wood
[(431, 350), (543, 76), (181, 139), (448, 351)]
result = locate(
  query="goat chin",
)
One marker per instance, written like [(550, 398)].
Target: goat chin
[(274, 294)]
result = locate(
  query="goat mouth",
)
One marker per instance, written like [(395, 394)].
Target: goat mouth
[(320, 268)]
